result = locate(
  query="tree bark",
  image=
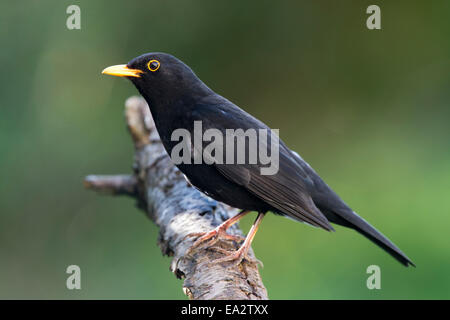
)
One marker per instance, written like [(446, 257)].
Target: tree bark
[(178, 209)]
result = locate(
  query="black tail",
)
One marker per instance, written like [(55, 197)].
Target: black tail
[(350, 219), (378, 238), (336, 211)]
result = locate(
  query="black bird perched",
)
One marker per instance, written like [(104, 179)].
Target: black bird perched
[(177, 98)]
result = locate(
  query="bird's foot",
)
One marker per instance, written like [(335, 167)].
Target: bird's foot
[(212, 237), (236, 257)]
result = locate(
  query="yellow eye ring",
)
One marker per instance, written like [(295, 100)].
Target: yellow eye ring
[(153, 65)]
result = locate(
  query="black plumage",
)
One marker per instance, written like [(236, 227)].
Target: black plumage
[(177, 98)]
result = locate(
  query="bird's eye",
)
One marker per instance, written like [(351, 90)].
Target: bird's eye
[(153, 65)]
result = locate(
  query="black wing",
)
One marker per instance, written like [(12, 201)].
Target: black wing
[(286, 191)]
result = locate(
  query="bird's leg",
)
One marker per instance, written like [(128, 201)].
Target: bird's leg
[(218, 233), (241, 253)]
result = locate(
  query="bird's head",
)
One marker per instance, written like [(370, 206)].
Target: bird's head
[(160, 77)]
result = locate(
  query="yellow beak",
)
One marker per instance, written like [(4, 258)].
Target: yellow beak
[(122, 70)]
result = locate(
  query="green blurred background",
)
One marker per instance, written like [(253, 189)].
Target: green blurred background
[(369, 110)]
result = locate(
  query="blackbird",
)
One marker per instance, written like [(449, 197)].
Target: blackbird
[(178, 98)]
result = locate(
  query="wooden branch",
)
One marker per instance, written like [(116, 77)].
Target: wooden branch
[(124, 184), (179, 209)]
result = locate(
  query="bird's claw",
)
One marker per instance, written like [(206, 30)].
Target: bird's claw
[(213, 236), (236, 257)]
